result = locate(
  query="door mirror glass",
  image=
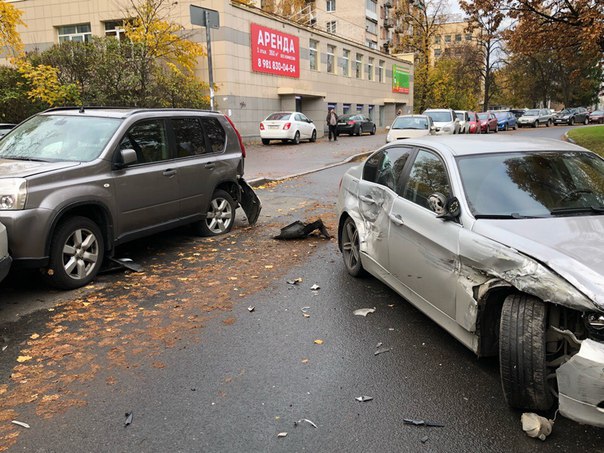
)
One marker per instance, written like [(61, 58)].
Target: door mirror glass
[(128, 157)]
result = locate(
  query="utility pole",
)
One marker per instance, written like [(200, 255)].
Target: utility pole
[(207, 18)]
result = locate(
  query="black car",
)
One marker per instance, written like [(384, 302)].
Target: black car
[(517, 112), (355, 124), (571, 116)]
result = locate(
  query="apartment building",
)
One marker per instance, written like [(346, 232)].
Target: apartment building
[(255, 72), (451, 37)]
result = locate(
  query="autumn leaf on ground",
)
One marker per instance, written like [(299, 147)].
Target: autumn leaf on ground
[(23, 358)]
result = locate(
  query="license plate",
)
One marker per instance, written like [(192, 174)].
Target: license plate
[(273, 127)]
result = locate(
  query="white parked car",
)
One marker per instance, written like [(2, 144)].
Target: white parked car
[(445, 120), (5, 259), (500, 241), (410, 126), (464, 121), (287, 126)]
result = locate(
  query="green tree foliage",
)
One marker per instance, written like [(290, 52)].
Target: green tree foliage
[(15, 105)]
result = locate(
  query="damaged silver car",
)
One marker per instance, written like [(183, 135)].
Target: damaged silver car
[(499, 241)]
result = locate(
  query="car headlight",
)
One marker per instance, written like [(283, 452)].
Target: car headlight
[(13, 192)]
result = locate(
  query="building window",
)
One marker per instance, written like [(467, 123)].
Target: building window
[(371, 6), (346, 62), (370, 69), (371, 26), (312, 54), (331, 26), (468, 37), (447, 38), (371, 44), (458, 37), (345, 109), (331, 51), (330, 7), (437, 52), (437, 39), (359, 108), (359, 66), (115, 28), (78, 33), (381, 74)]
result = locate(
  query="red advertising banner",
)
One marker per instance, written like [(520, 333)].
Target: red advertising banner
[(274, 52)]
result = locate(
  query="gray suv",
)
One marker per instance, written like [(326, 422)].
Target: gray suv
[(76, 183)]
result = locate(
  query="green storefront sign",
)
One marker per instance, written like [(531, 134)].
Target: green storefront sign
[(400, 79)]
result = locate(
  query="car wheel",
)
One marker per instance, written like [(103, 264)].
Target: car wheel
[(536, 124), (351, 249), (76, 253), (487, 130), (373, 130), (313, 137), (296, 140), (586, 121), (220, 215), (571, 122), (265, 141), (496, 128), (357, 131), (522, 353), (506, 127)]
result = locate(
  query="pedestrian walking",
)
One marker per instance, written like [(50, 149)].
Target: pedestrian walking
[(332, 122)]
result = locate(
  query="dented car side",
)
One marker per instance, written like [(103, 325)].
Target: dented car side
[(477, 277)]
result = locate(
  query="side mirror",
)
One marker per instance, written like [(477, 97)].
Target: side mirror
[(444, 209), (387, 128), (128, 156)]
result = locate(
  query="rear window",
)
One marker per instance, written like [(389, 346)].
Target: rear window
[(278, 116)]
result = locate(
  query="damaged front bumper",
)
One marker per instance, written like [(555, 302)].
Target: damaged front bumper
[(581, 385), (250, 203)]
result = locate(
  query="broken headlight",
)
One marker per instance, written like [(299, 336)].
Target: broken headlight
[(594, 322)]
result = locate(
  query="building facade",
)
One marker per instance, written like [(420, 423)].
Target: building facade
[(261, 62)]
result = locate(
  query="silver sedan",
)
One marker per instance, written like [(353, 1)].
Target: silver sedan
[(501, 242)]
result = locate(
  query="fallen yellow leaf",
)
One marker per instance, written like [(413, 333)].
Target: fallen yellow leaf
[(268, 266), (34, 336), (23, 358), (318, 341)]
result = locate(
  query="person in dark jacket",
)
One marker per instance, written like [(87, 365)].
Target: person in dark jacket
[(332, 122)]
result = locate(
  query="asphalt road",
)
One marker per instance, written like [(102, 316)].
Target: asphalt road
[(178, 347)]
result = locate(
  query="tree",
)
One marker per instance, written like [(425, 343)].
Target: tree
[(10, 18)]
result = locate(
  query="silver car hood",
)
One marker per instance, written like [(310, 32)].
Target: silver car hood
[(10, 168), (570, 246)]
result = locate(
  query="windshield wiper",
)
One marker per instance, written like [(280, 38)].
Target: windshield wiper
[(578, 210), (513, 215), (30, 159)]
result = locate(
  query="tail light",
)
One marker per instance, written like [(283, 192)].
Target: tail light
[(261, 126), (351, 123), (241, 145), (286, 126)]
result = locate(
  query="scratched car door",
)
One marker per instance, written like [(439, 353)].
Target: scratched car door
[(376, 194), (423, 248)]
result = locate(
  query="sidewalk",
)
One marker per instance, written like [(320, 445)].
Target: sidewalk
[(279, 160)]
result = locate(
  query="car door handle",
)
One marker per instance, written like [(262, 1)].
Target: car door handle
[(210, 165), (169, 172), (367, 199), (396, 219)]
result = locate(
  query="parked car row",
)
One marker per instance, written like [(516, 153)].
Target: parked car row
[(570, 116)]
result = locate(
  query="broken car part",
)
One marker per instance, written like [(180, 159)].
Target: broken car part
[(310, 422), (250, 203), (129, 416), (300, 230), (363, 399), (536, 426), (420, 422), (363, 311)]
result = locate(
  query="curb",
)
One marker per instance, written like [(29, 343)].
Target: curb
[(263, 180), (568, 139)]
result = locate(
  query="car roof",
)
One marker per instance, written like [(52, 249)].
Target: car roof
[(437, 110), (462, 145), (117, 112)]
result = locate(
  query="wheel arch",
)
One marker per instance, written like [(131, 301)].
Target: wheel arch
[(341, 221), (231, 187), (96, 212)]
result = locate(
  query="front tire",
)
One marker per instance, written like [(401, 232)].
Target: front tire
[(351, 249), (313, 137), (265, 141), (76, 253), (357, 131), (586, 121), (373, 130), (220, 215), (536, 124), (522, 353)]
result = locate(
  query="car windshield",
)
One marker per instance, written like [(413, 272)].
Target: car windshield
[(501, 115), (597, 112), (59, 138), (532, 113), (281, 116), (410, 123), (483, 116), (347, 118), (460, 115), (567, 111), (440, 117), (533, 184)]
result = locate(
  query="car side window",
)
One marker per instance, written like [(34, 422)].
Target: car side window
[(215, 133), (386, 166), (148, 139), (190, 140), (428, 175)]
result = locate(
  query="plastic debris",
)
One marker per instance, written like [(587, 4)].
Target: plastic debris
[(283, 434), (420, 422), (122, 263), (363, 399), (251, 308), (536, 426), (381, 351), (424, 439), (377, 346), (22, 424), (305, 312), (364, 311), (4, 348), (300, 230), (315, 287), (294, 281), (310, 422), (129, 416)]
